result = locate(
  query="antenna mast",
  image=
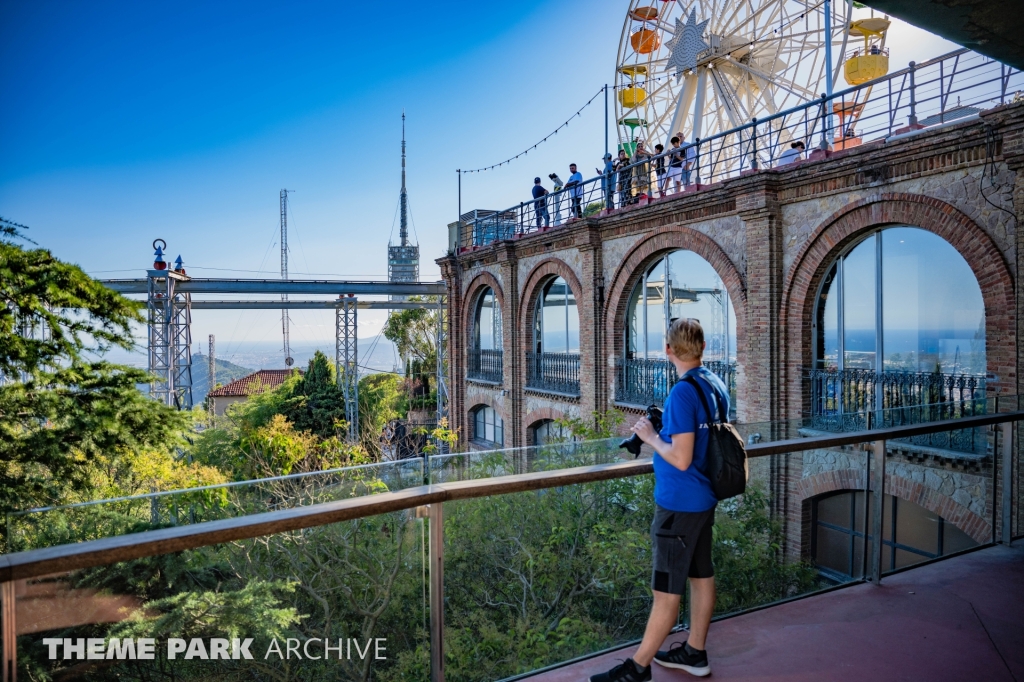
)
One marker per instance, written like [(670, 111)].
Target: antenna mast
[(404, 197), (284, 275), (403, 258)]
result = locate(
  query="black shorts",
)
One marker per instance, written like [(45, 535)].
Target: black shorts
[(681, 548)]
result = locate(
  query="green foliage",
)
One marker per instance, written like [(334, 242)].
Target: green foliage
[(602, 425), (414, 333), (381, 400), (68, 415)]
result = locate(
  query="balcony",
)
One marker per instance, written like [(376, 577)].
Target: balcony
[(485, 365), (553, 372), (841, 400), (642, 381), (538, 569)]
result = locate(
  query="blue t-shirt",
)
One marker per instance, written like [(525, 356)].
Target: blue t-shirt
[(690, 490)]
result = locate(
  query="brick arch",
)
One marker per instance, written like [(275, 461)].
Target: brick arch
[(541, 414), (469, 300), (480, 401), (849, 224), (647, 251), (546, 269), (904, 488)]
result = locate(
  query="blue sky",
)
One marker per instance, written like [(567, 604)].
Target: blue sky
[(128, 121)]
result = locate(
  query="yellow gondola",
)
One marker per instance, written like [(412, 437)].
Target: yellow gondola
[(871, 61)]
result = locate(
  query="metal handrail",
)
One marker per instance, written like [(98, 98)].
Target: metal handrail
[(63, 558)]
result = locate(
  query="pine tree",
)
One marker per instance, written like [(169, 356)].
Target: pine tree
[(62, 412)]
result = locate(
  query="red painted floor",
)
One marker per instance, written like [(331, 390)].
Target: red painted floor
[(958, 619)]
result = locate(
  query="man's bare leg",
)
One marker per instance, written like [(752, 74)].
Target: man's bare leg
[(665, 615)]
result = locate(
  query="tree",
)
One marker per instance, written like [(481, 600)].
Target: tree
[(414, 333), (61, 411)]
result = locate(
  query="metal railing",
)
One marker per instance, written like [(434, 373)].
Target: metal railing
[(840, 399), (16, 570), (642, 381), (485, 365), (947, 88), (554, 372)]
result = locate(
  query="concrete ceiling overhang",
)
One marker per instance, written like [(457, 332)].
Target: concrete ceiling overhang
[(994, 28)]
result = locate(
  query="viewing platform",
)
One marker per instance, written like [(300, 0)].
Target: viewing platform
[(957, 619)]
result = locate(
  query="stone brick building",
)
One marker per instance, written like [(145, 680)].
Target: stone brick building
[(774, 238)]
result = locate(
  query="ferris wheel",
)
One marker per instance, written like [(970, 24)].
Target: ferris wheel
[(704, 66)]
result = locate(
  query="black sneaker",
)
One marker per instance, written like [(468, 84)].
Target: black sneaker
[(627, 671), (684, 657)]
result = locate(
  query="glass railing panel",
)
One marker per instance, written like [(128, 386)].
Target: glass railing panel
[(345, 601), (105, 518), (464, 466), (533, 579)]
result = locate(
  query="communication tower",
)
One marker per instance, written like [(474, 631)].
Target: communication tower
[(403, 258), (288, 361)]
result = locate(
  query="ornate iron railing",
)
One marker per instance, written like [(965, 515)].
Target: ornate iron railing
[(646, 382), (841, 400), (485, 365), (557, 372)]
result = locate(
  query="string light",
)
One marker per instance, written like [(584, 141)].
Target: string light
[(552, 134)]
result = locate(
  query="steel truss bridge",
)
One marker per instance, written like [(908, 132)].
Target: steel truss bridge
[(169, 307)]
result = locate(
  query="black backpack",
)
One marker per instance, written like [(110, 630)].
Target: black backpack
[(726, 465)]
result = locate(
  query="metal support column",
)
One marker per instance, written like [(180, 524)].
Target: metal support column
[(877, 499), (346, 360), (442, 361), (436, 554), (181, 346), (1006, 438), (8, 626)]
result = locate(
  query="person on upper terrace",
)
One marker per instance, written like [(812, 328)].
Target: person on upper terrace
[(642, 169), (575, 185), (659, 169), (793, 154), (608, 181), (540, 203), (624, 177)]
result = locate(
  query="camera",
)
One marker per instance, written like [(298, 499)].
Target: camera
[(633, 443)]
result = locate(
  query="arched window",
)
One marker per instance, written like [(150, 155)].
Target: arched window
[(682, 284), (549, 431), (488, 427), (910, 534), (485, 355), (899, 313), (554, 365)]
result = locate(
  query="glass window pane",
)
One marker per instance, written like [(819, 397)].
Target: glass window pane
[(488, 424), (859, 306), (887, 518), (553, 325), (696, 290), (499, 429), (572, 321), (905, 558), (835, 510), (485, 322), (635, 339), (656, 311), (858, 510), (827, 352), (933, 313), (916, 527), (479, 429), (833, 550), (954, 539)]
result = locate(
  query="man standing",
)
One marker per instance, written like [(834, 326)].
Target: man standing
[(690, 159), (684, 514), (608, 181), (675, 164), (659, 169), (642, 169), (575, 186), (540, 203)]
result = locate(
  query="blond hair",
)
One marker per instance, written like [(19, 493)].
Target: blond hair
[(686, 339)]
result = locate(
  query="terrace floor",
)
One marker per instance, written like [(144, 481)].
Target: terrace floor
[(958, 619)]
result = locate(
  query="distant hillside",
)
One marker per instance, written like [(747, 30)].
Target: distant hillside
[(226, 373)]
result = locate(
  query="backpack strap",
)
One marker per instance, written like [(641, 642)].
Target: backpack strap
[(704, 401)]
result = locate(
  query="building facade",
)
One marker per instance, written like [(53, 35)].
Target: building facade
[(893, 263)]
